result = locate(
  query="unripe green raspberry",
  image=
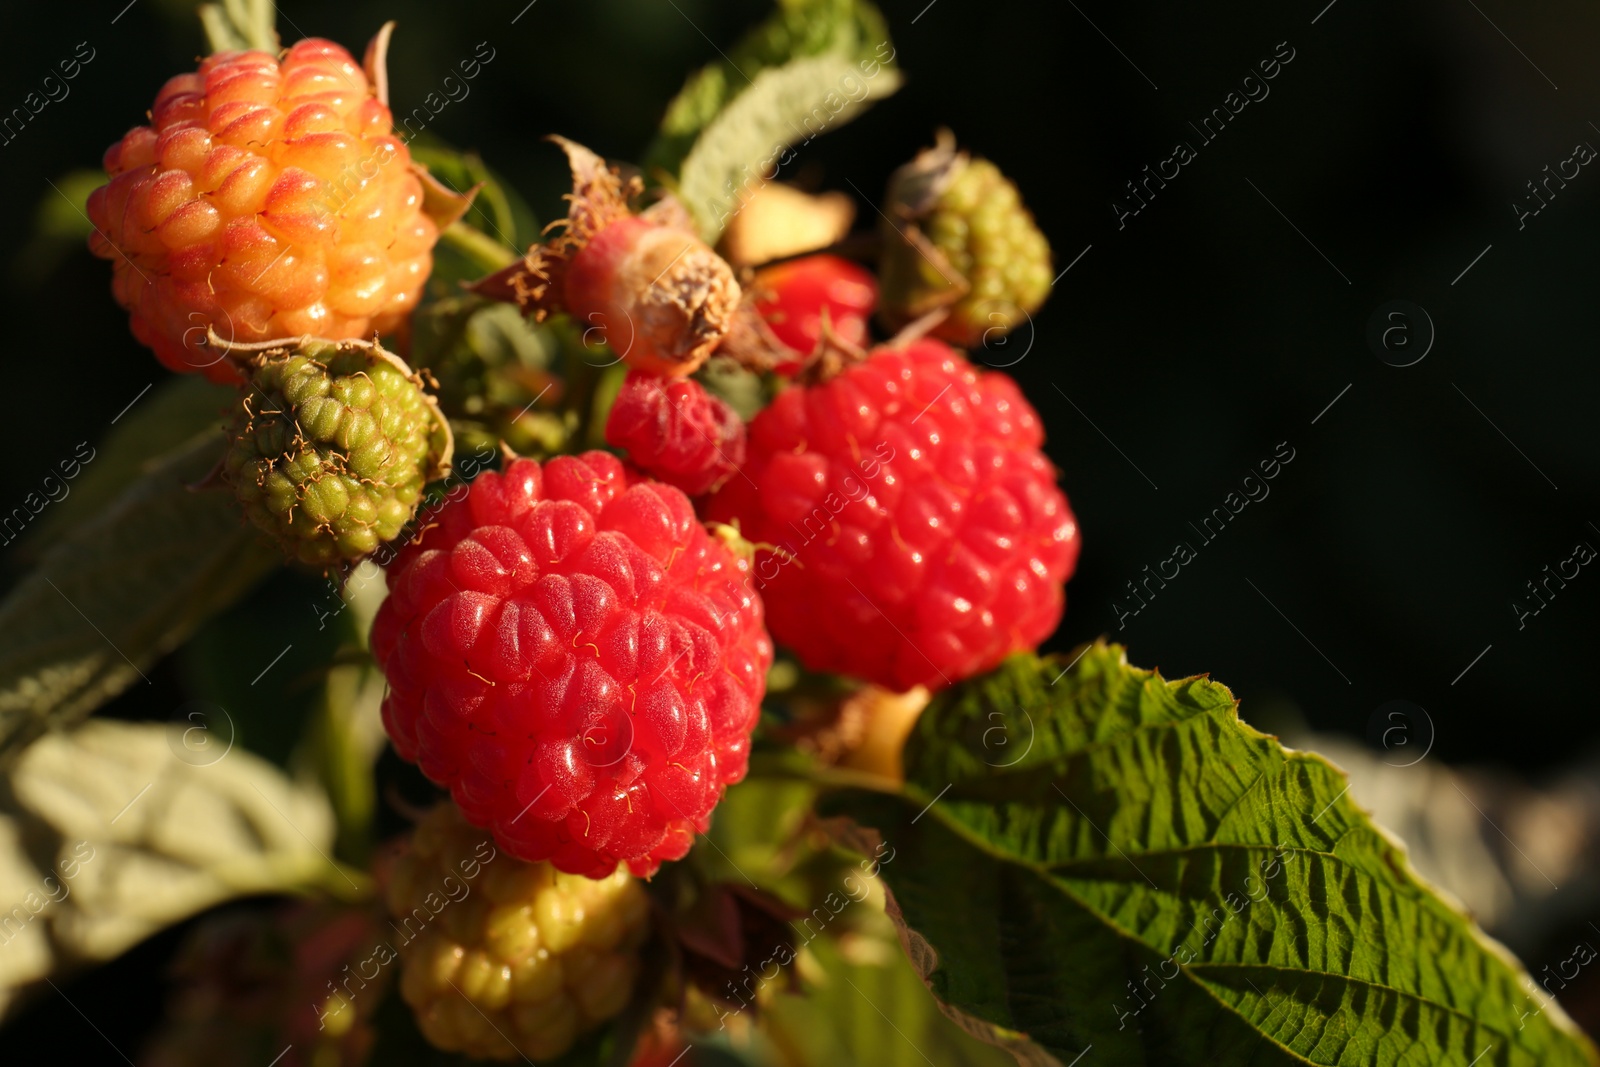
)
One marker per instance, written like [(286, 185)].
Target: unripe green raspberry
[(331, 446), (508, 959), (961, 239)]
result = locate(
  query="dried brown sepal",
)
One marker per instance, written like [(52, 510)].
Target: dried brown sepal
[(825, 726), (599, 197), (750, 341), (915, 187), (534, 283), (832, 356), (730, 936), (917, 328), (669, 211), (951, 287)]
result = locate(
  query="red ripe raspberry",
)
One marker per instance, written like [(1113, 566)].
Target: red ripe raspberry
[(920, 534), (795, 297), (266, 199), (577, 660), (676, 431)]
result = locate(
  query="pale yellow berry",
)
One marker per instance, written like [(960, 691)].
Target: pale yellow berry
[(512, 959)]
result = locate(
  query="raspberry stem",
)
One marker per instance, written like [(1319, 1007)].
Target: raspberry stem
[(483, 250)]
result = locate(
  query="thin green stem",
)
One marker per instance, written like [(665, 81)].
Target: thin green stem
[(478, 246)]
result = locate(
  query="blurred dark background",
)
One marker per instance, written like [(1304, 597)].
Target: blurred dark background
[(1177, 353)]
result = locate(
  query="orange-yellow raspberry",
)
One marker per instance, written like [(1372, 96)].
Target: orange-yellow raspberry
[(504, 959), (267, 199)]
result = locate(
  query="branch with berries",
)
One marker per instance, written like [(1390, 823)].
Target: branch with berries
[(686, 575)]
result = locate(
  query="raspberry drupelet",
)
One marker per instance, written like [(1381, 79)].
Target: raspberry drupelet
[(526, 960), (676, 431), (577, 659), (918, 535), (266, 199), (797, 297)]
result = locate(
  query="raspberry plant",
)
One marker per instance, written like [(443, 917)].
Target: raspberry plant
[(558, 792)]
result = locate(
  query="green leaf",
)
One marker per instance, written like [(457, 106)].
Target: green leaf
[(345, 741), (60, 227), (739, 388), (797, 28), (1097, 857), (784, 106), (863, 1003), (264, 659), (755, 839), (234, 25), (812, 66), (117, 592), (144, 826)]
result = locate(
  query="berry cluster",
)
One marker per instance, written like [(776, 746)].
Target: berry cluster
[(572, 650), (505, 959)]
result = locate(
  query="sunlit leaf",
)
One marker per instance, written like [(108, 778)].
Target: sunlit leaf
[(1097, 857)]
